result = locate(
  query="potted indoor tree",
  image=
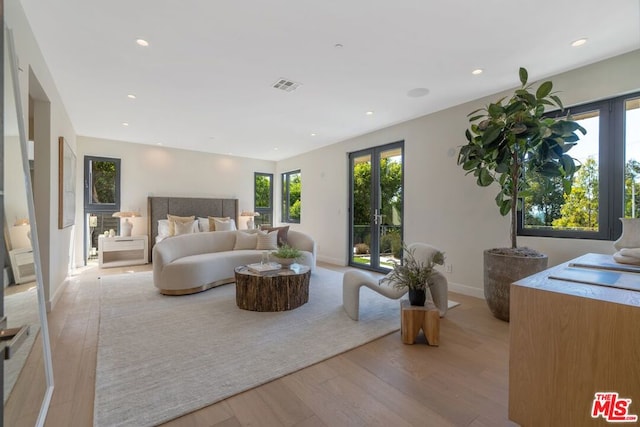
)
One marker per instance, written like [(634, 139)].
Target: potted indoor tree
[(414, 275), (505, 139)]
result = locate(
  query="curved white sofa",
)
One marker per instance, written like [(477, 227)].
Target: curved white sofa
[(191, 263)]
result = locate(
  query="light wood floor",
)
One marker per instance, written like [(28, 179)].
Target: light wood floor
[(463, 382)]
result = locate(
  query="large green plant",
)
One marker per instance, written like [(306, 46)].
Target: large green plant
[(508, 138)]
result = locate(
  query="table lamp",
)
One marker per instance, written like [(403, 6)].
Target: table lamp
[(126, 226)]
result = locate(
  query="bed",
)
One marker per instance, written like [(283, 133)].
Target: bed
[(159, 207)]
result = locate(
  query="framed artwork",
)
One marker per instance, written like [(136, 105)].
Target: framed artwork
[(66, 184)]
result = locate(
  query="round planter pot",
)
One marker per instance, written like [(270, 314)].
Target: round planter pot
[(500, 271), (285, 262), (417, 297)]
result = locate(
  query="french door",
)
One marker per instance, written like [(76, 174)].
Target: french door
[(376, 208)]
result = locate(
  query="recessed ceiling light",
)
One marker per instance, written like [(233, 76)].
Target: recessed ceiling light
[(158, 143), (275, 148), (477, 71), (417, 92), (125, 124), (369, 113), (142, 42), (578, 42), (131, 96), (313, 134)]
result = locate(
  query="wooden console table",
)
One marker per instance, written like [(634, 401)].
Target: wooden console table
[(278, 290), (570, 340)]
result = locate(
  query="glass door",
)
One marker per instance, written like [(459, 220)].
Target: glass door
[(376, 206)]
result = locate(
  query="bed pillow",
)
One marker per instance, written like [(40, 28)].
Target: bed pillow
[(224, 225), (174, 218), (185, 227), (245, 241), (282, 233), (267, 240), (212, 221), (163, 227), (203, 223)]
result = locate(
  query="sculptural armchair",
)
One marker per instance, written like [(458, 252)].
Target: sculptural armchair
[(353, 280)]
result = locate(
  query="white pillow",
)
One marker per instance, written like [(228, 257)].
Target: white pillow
[(267, 240), (163, 227), (224, 224), (245, 241), (203, 223), (184, 227)]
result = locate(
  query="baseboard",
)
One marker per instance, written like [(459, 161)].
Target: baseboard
[(56, 297), (466, 290), (329, 260)]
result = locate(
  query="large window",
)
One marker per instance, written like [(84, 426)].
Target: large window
[(606, 185), (263, 198), (291, 192)]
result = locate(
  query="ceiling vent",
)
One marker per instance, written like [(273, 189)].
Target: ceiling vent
[(286, 85)]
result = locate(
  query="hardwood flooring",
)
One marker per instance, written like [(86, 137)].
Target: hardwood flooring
[(463, 382)]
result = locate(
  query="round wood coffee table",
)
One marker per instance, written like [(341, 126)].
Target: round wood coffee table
[(277, 290)]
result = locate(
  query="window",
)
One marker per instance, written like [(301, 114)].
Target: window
[(291, 192), (605, 187), (263, 198), (101, 184), (101, 200)]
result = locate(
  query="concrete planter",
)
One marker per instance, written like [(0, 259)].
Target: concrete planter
[(500, 271)]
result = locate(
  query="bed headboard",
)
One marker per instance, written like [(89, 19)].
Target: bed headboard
[(159, 207)]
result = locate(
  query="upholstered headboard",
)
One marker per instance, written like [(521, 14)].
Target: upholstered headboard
[(159, 207)]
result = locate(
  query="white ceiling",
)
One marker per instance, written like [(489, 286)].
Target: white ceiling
[(204, 83)]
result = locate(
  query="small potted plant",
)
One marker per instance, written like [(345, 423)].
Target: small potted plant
[(286, 255), (414, 275)]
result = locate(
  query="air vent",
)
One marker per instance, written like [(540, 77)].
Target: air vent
[(286, 85)]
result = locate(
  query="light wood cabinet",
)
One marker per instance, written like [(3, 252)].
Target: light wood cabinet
[(122, 251), (22, 265), (570, 340)]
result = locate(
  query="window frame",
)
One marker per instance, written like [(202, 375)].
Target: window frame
[(89, 206), (263, 210), (286, 207), (611, 167)]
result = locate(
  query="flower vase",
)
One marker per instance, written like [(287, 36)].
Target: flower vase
[(630, 237), (417, 297)]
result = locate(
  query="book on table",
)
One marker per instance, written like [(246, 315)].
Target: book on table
[(263, 268)]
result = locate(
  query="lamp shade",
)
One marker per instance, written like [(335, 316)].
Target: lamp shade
[(126, 214), (249, 213), (21, 221)]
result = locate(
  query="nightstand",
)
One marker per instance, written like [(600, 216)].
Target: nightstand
[(122, 250), (22, 265)]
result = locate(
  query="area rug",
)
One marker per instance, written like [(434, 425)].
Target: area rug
[(21, 309), (161, 357)]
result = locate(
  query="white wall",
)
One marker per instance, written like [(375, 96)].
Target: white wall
[(54, 244), (442, 205), (158, 171)]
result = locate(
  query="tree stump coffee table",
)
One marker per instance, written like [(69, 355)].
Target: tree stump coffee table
[(277, 290)]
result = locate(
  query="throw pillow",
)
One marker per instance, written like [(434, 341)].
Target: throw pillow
[(212, 221), (245, 241), (163, 227), (184, 227), (282, 233), (267, 240), (174, 218), (203, 223)]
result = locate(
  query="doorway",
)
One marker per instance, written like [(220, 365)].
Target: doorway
[(376, 206)]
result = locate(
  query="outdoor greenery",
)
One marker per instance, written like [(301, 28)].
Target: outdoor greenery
[(295, 189), (411, 273), (508, 139), (548, 206), (263, 191), (390, 190), (103, 188)]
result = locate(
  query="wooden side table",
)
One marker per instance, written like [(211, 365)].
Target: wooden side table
[(413, 318), (278, 290)]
